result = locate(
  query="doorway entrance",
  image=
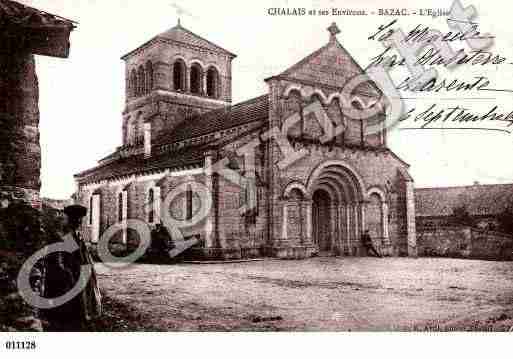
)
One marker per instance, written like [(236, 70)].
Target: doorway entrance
[(322, 221)]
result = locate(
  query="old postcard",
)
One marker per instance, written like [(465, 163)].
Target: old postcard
[(306, 166)]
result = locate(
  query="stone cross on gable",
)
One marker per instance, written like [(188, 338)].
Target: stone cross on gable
[(334, 31)]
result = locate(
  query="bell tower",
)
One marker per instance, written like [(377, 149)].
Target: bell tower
[(172, 77)]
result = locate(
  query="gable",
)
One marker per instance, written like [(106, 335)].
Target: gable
[(331, 65)]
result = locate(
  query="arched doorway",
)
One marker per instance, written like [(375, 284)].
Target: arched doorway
[(338, 208), (321, 220)]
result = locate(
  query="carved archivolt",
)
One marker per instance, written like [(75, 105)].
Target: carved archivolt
[(306, 93)]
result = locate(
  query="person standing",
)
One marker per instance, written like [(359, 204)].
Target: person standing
[(161, 243), (369, 246), (63, 271)]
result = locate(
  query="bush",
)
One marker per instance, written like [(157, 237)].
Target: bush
[(505, 220), (461, 217)]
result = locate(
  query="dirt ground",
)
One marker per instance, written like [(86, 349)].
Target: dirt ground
[(318, 294)]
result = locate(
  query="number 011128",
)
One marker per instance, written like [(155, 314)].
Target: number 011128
[(24, 345)]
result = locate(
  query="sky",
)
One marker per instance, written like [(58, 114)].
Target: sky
[(82, 97)]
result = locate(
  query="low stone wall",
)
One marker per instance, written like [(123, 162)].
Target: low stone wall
[(464, 242), (491, 245), (292, 252), (223, 253)]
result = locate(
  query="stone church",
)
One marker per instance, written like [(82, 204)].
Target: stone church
[(179, 120)]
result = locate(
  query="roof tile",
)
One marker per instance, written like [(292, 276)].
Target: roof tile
[(256, 109)]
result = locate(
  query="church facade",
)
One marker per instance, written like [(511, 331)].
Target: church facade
[(287, 174)]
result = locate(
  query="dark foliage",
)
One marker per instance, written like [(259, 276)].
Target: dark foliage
[(505, 220), (461, 217)]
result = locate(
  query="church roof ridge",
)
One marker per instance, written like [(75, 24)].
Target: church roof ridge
[(220, 119), (133, 165), (182, 35)]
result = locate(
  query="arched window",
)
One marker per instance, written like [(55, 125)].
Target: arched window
[(179, 76), (138, 128), (196, 74), (149, 77), (128, 85), (129, 130), (151, 204), (137, 88), (133, 84), (188, 199), (91, 211), (212, 83), (141, 77), (120, 207)]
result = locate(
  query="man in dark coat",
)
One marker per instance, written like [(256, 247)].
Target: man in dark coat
[(161, 242), (63, 271), (369, 246)]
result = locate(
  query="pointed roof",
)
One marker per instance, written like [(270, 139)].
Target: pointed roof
[(335, 57), (181, 35)]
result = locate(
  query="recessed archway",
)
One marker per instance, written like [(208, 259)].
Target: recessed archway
[(212, 82), (338, 210), (179, 75)]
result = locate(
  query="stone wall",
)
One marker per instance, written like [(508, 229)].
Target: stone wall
[(20, 153), (137, 190), (464, 242)]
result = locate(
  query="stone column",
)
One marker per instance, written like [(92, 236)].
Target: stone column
[(211, 218), (147, 139), (349, 210), (342, 228), (356, 213), (384, 221), (309, 221), (410, 218), (284, 234), (334, 226), (187, 85), (124, 217), (362, 216), (204, 83), (20, 152), (302, 214)]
